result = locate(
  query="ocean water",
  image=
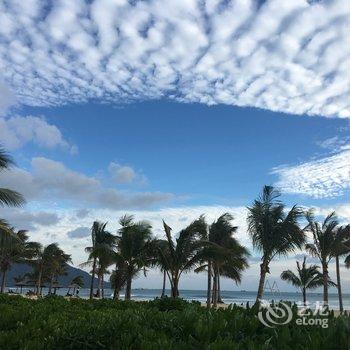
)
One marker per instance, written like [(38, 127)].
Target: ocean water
[(229, 297)]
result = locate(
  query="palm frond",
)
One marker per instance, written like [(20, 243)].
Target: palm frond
[(10, 198)]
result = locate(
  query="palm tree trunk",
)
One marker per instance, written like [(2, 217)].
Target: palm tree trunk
[(175, 287), (164, 281), (340, 296), (209, 285), (219, 290), (38, 292), (128, 288), (92, 279), (171, 281), (325, 282), (102, 286), (3, 281), (304, 296), (116, 293), (215, 287), (263, 271), (98, 292), (50, 285)]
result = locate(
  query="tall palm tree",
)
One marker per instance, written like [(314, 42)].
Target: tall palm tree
[(181, 255), (56, 263), (118, 279), (16, 250), (47, 261), (160, 245), (307, 277), (104, 261), (102, 245), (8, 197), (223, 254), (134, 248), (341, 246), (274, 231), (324, 244)]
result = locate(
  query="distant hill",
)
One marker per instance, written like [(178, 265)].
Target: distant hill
[(64, 281)]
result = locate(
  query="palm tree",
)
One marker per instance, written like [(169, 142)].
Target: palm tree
[(102, 245), (77, 281), (8, 197), (341, 246), (223, 255), (160, 245), (181, 255), (134, 248), (274, 231), (164, 284), (46, 262), (307, 277), (16, 250), (324, 244), (104, 261), (118, 280), (56, 263)]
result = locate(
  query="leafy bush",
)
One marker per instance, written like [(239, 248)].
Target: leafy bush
[(56, 323), (168, 304)]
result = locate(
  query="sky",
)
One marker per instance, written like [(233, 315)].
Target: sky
[(170, 111)]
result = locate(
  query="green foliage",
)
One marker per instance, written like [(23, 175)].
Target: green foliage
[(169, 304), (57, 323), (7, 196)]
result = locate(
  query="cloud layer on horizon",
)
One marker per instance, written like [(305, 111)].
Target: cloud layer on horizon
[(52, 181), (289, 56)]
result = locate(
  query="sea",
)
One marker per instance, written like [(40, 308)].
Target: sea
[(229, 297)]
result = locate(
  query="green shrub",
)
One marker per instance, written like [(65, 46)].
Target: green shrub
[(56, 323), (168, 304)]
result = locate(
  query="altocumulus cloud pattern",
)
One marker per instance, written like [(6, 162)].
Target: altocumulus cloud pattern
[(290, 56)]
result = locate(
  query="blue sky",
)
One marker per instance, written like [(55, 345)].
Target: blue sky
[(168, 111), (206, 154)]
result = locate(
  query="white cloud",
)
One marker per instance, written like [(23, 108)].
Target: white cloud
[(124, 174), (50, 180), (29, 220), (290, 56), (321, 178), (121, 173), (7, 98), (342, 210), (17, 131), (82, 213), (335, 143)]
